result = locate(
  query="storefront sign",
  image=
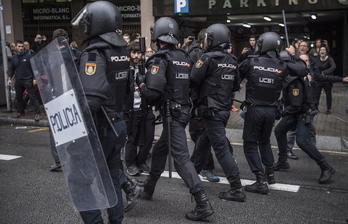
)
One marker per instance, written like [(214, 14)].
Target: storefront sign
[(130, 12), (47, 13), (238, 7)]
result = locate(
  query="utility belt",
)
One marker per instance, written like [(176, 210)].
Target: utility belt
[(204, 111), (117, 108), (139, 110), (103, 125), (279, 112), (114, 118), (306, 117), (174, 108), (309, 116)]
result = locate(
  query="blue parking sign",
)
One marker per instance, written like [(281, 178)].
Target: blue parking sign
[(181, 6)]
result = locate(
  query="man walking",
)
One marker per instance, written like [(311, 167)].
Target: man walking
[(20, 65)]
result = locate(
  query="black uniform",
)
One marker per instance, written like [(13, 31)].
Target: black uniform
[(196, 126), (298, 103), (299, 111), (216, 75), (167, 78), (104, 72), (316, 78), (265, 76)]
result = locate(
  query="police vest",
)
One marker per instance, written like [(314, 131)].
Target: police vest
[(178, 77), (173, 80), (218, 85), (265, 80), (118, 75)]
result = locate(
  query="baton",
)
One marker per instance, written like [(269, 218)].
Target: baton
[(109, 122), (143, 105), (286, 30), (169, 120)]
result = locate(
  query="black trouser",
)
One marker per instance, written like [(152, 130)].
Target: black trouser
[(54, 151), (327, 88), (291, 136), (112, 151), (132, 156), (196, 128), (179, 151), (214, 136), (20, 86), (257, 131), (302, 135)]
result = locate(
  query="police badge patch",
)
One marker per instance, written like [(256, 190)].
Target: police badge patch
[(199, 64), (295, 92), (154, 70), (90, 68)]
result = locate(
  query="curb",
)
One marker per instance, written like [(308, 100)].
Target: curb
[(327, 143), (24, 122), (324, 143)]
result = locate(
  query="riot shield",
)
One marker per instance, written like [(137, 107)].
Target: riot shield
[(75, 135)]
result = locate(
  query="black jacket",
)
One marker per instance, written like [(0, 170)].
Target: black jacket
[(20, 64)]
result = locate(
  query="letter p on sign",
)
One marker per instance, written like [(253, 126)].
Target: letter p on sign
[(181, 6)]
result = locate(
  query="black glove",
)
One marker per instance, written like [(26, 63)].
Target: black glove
[(94, 103), (140, 79)]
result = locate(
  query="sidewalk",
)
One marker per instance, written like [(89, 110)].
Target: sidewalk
[(332, 130)]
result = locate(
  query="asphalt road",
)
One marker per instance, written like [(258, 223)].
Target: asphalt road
[(30, 194)]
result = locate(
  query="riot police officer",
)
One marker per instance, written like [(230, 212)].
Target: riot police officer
[(265, 74), (215, 75), (299, 110), (104, 71), (167, 86)]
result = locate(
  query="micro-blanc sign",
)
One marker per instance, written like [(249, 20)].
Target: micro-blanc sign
[(65, 118)]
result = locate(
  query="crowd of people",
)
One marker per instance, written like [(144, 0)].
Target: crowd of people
[(192, 84), (21, 77)]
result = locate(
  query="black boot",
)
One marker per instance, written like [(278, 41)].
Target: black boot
[(326, 171), (203, 207), (233, 195), (291, 155), (260, 186), (149, 188), (269, 172), (133, 190), (282, 164)]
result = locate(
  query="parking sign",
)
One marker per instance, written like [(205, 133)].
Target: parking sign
[(181, 6)]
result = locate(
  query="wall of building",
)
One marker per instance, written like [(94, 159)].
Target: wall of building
[(13, 20), (147, 19)]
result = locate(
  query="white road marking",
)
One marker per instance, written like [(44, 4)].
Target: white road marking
[(223, 180), (8, 157)]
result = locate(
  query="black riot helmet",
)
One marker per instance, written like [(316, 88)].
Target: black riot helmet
[(102, 18), (165, 29), (269, 42), (217, 35)]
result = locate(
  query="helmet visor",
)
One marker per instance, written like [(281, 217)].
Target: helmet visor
[(77, 19)]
